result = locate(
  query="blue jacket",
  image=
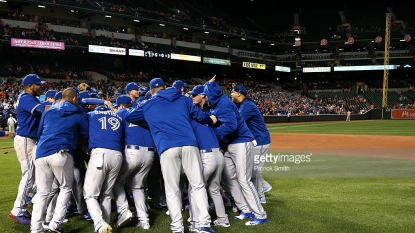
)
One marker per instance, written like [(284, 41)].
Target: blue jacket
[(59, 129), (231, 127), (135, 134), (29, 111), (168, 115), (254, 121)]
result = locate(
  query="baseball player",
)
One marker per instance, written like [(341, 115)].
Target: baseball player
[(29, 112), (11, 121), (105, 143), (255, 122), (133, 92), (168, 115), (212, 162), (58, 131), (138, 159), (349, 113), (182, 86), (58, 97), (233, 132), (142, 96)]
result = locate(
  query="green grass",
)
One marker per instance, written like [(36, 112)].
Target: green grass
[(298, 202), (367, 127)]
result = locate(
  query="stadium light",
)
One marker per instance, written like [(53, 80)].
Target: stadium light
[(207, 32), (108, 16), (242, 38), (3, 1), (185, 29), (162, 24), (40, 6)]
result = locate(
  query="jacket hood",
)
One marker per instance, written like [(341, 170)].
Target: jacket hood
[(169, 94), (213, 92), (66, 108)]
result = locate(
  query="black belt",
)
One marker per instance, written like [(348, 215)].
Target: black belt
[(209, 150), (138, 147)]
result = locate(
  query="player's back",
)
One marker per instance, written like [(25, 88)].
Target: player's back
[(105, 130)]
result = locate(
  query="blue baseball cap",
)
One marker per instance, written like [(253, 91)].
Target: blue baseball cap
[(143, 90), (199, 89), (156, 82), (75, 89), (102, 108), (123, 99), (50, 94), (58, 95), (84, 95), (31, 79), (240, 89), (131, 86), (179, 84)]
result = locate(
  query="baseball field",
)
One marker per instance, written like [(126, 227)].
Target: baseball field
[(329, 177)]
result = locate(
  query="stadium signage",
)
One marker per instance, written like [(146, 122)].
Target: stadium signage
[(157, 54), (39, 44), (282, 69), (216, 61), (253, 65), (106, 50), (136, 52), (316, 69), (403, 114), (358, 68), (184, 57)]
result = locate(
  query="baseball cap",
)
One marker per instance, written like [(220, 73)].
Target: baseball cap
[(58, 95), (84, 95), (239, 88), (197, 90), (102, 108), (31, 79), (123, 99), (131, 86), (156, 82), (76, 89), (143, 90), (179, 84), (50, 94)]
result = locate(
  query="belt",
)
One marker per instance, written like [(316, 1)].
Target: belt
[(139, 147), (210, 150)]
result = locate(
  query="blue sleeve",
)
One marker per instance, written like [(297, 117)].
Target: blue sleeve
[(93, 101), (135, 115), (83, 125), (247, 111), (30, 104), (228, 123), (197, 114)]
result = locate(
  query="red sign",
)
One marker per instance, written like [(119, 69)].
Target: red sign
[(323, 42), (350, 40), (378, 39), (403, 114), (407, 38)]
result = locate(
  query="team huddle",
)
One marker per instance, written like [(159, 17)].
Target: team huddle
[(203, 142)]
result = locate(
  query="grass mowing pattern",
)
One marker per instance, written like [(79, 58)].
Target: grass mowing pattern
[(368, 127)]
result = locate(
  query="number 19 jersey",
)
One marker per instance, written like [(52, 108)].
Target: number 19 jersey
[(105, 130)]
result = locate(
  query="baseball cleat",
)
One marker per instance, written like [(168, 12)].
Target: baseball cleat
[(105, 229), (27, 214), (86, 215), (263, 201), (256, 221), (144, 225), (243, 215), (235, 209), (207, 230), (123, 217), (267, 189), (72, 209), (190, 228), (160, 206), (21, 219), (221, 224)]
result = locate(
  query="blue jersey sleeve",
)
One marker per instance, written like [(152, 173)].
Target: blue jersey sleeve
[(31, 104), (247, 111), (93, 101), (135, 115), (83, 128), (40, 128)]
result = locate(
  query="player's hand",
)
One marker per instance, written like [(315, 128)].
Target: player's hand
[(213, 117), (213, 79)]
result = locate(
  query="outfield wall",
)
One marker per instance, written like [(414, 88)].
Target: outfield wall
[(370, 115)]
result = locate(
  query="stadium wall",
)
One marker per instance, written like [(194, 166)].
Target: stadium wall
[(370, 115)]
